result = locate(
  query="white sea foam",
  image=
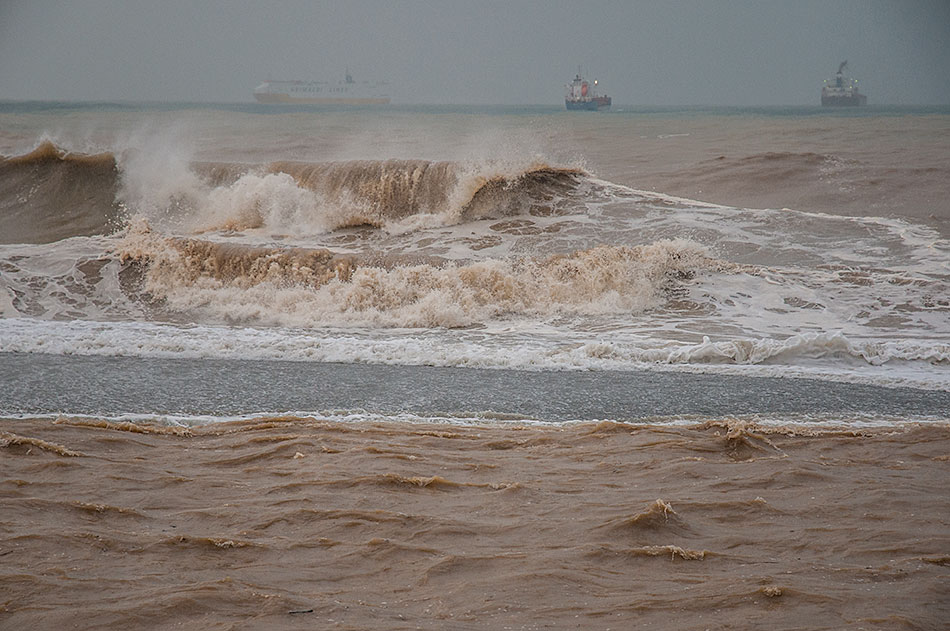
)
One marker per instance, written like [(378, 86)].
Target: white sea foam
[(853, 421), (918, 363)]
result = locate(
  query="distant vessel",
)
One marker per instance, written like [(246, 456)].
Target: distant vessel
[(842, 90), (346, 92), (581, 95)]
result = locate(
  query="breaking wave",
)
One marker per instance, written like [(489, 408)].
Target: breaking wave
[(51, 193), (225, 282)]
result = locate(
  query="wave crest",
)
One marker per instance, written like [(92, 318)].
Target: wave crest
[(304, 198), (307, 198), (52, 193)]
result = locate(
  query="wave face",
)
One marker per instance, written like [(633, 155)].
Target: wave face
[(50, 194), (521, 263)]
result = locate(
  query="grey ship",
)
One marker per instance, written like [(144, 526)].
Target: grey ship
[(842, 90)]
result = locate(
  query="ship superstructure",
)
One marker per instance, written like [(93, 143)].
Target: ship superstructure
[(582, 95), (842, 90), (346, 92)]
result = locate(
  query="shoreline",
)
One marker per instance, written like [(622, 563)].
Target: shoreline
[(209, 388)]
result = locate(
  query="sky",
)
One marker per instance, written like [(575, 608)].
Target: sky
[(643, 52)]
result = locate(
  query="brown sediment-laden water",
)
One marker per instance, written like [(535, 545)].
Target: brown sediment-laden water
[(287, 523)]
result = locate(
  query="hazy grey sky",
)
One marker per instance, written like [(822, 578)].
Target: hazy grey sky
[(645, 52)]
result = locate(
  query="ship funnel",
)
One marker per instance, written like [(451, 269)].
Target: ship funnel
[(841, 67)]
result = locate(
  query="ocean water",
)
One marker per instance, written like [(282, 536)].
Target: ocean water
[(479, 239), (695, 281)]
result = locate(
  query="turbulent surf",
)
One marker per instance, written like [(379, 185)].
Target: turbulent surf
[(574, 271)]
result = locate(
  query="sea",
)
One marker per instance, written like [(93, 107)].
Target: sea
[(474, 367)]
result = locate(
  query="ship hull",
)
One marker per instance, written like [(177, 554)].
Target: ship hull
[(844, 101), (589, 105), (297, 92), (286, 99)]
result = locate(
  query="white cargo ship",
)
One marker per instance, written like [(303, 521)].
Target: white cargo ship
[(346, 92)]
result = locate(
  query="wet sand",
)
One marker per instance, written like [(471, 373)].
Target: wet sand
[(292, 523)]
